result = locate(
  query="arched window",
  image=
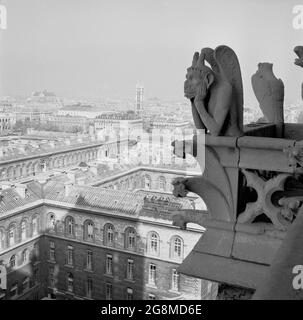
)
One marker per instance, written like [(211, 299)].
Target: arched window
[(70, 282), (35, 225), (89, 230), (12, 235), (70, 226), (51, 222), (130, 238), (176, 248), (162, 183), (25, 256), (153, 243), (23, 230), (12, 261), (109, 235)]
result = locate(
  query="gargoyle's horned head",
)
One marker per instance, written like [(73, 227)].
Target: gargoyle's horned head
[(198, 77)]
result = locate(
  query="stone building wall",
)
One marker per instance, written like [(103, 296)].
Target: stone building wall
[(52, 230)]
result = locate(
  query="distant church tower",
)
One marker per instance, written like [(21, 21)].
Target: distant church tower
[(139, 98)]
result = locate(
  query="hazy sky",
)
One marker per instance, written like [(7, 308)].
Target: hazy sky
[(101, 48)]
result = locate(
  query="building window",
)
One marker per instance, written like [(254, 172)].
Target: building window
[(130, 269), (89, 231), (2, 239), (13, 290), (52, 254), (12, 261), (36, 250), (70, 255), (162, 183), (51, 222), (70, 282), (25, 284), (35, 276), (109, 291), (23, 230), (151, 297), (147, 182), (152, 274), (52, 277), (177, 248), (89, 287), (153, 243), (25, 256), (109, 233), (130, 240), (175, 280), (89, 260), (129, 294), (11, 235), (35, 226), (70, 226), (109, 264)]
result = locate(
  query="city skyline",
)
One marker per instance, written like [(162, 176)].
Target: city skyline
[(100, 50)]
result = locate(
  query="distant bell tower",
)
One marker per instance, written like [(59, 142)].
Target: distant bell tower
[(139, 98)]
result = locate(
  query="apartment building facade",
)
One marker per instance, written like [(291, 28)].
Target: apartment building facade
[(79, 242)]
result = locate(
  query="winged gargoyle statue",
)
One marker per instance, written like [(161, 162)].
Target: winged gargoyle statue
[(216, 92), (216, 95)]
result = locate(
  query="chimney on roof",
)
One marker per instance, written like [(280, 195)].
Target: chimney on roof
[(68, 187), (21, 189)]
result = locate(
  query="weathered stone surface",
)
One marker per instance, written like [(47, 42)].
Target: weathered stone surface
[(255, 248), (216, 93), (216, 241), (226, 270), (280, 276), (263, 205), (265, 153), (299, 52), (269, 91)]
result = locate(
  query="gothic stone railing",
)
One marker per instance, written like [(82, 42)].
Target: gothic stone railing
[(253, 188)]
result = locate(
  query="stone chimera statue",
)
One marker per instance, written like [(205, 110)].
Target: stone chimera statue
[(216, 92)]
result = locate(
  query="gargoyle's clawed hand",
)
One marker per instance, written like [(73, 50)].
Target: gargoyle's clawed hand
[(200, 94)]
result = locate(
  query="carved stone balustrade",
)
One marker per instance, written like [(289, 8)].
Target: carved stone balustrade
[(253, 189)]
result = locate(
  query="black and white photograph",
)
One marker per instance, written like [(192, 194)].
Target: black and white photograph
[(151, 150)]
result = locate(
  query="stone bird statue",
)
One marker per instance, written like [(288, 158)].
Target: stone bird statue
[(269, 91), (299, 52)]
